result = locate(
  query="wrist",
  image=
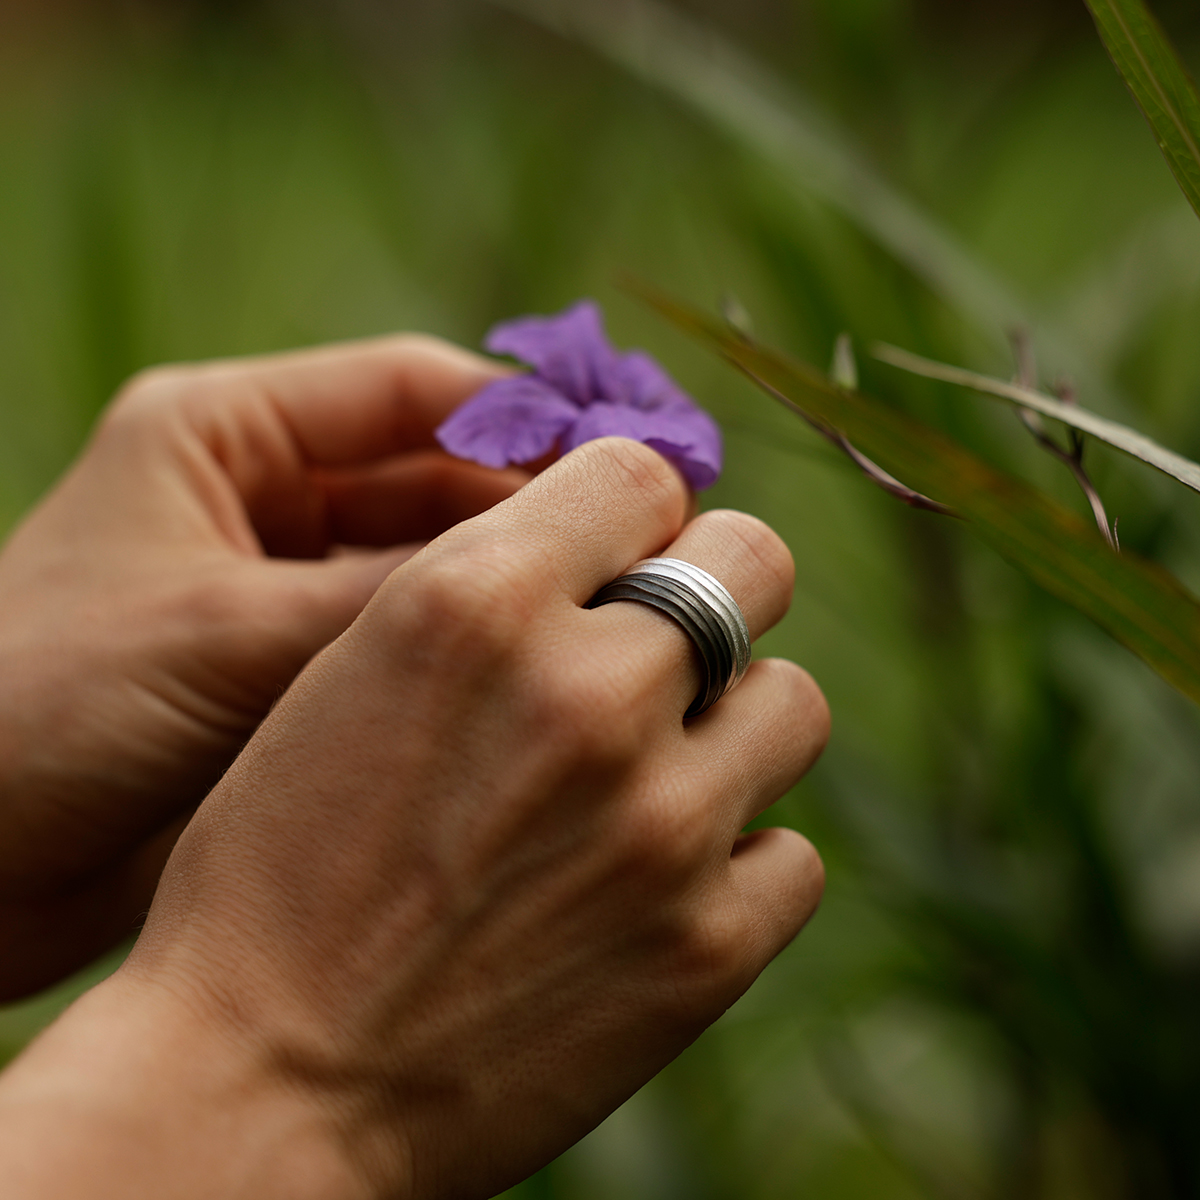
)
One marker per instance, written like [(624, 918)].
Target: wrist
[(134, 1093)]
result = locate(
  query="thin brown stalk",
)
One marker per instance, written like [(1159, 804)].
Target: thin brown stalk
[(1072, 455), (872, 470)]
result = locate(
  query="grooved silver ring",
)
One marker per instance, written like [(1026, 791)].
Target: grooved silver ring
[(702, 606)]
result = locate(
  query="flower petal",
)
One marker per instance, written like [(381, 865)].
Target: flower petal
[(581, 389), (636, 379), (513, 420), (570, 351), (683, 434)]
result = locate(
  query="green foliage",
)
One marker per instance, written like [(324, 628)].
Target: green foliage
[(692, 63), (1135, 444), (1150, 66), (1138, 603), (997, 998)]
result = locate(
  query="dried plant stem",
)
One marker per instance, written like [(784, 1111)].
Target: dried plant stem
[(1120, 436), (872, 470), (1072, 455)]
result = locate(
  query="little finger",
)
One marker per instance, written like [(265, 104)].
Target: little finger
[(761, 738), (776, 879)]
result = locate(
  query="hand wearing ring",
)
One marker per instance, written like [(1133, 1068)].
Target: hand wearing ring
[(474, 880)]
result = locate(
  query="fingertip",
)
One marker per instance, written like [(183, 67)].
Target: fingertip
[(805, 702), (596, 511), (782, 877), (633, 467)]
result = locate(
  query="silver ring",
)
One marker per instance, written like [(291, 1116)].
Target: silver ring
[(702, 606)]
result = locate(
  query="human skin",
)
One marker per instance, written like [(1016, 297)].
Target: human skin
[(472, 882), (169, 589)]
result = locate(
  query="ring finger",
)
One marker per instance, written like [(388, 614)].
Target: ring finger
[(753, 564)]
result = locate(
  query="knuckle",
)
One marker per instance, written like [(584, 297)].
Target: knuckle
[(146, 393), (423, 350), (795, 710), (799, 886), (810, 871), (158, 395), (666, 843), (227, 605), (155, 386), (475, 600), (427, 345), (635, 467), (441, 474), (583, 711), (711, 961), (806, 703), (152, 383)]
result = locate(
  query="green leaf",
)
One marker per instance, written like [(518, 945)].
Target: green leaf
[(1159, 83), (1121, 436), (1136, 601)]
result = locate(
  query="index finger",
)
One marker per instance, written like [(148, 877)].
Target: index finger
[(583, 520), (362, 401)]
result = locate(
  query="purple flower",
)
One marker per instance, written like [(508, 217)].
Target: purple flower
[(580, 388)]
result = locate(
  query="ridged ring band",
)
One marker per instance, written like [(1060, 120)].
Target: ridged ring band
[(702, 606)]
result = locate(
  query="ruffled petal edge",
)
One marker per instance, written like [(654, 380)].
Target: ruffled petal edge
[(514, 420), (683, 434)]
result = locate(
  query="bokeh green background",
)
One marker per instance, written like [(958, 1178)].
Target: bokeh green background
[(1000, 996)]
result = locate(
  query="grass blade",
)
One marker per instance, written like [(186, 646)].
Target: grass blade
[(1137, 602), (1154, 74), (1121, 436)]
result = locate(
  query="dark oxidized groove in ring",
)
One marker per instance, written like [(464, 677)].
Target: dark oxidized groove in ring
[(714, 593), (722, 672), (702, 607), (644, 593)]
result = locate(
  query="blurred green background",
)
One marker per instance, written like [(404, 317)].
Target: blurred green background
[(1000, 996)]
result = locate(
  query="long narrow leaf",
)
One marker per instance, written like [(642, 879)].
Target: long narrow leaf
[(1120, 436), (1136, 601), (1159, 83)]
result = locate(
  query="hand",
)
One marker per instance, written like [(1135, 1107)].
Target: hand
[(170, 588), (471, 883)]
